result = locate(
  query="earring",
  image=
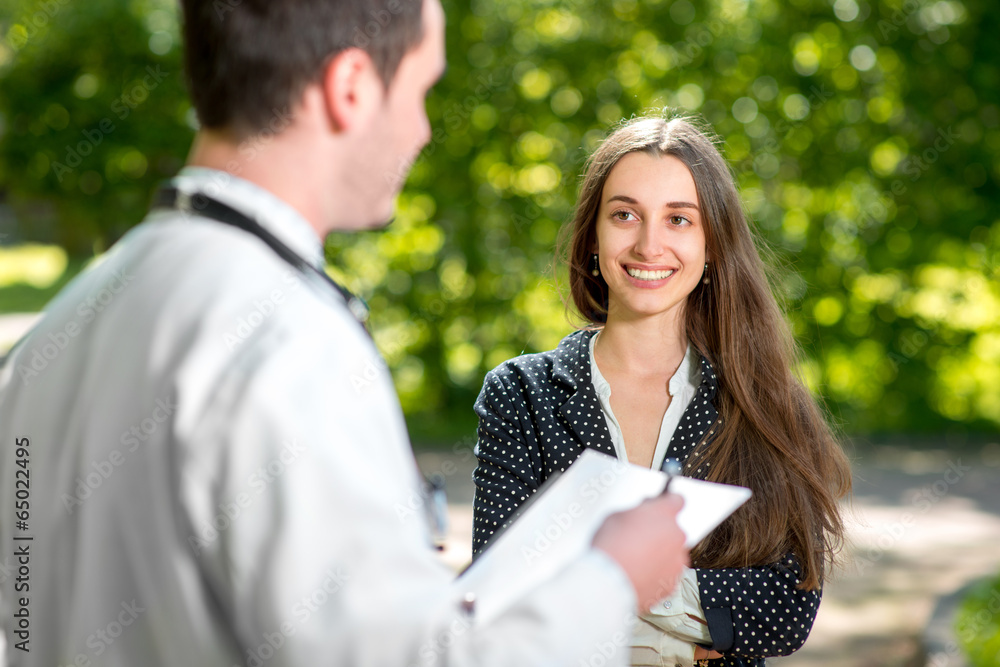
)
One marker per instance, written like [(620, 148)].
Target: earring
[(596, 271), (706, 280)]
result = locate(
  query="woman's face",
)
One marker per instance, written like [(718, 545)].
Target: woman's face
[(650, 237)]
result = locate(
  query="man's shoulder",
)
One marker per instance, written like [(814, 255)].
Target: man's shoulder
[(210, 262), (206, 284), (192, 240)]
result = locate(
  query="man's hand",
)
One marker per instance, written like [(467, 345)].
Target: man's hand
[(648, 545)]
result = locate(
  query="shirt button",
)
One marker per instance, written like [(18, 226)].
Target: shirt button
[(667, 604)]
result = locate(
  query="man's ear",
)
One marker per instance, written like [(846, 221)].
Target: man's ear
[(352, 89)]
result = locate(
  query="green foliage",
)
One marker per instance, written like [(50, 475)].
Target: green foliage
[(31, 275), (864, 137), (977, 625), (93, 111)]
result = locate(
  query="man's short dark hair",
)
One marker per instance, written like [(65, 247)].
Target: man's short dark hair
[(248, 61)]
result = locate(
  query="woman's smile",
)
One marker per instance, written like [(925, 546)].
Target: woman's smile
[(648, 278)]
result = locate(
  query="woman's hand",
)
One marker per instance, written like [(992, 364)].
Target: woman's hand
[(704, 654)]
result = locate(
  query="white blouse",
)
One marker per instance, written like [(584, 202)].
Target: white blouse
[(682, 388), (667, 634)]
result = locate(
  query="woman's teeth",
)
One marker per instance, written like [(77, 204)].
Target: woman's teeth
[(648, 275)]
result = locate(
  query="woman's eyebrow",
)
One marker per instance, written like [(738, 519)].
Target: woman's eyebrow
[(669, 204), (624, 198)]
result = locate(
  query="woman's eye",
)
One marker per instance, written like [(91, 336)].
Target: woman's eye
[(622, 215), (678, 220)]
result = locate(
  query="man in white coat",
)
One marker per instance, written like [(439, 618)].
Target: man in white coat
[(192, 473)]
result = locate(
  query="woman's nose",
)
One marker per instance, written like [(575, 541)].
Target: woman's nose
[(651, 240)]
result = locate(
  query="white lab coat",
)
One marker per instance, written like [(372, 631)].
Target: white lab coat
[(220, 474)]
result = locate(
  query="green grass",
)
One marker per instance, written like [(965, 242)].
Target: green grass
[(977, 624), (23, 297)]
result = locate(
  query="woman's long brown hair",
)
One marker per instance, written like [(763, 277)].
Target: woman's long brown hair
[(772, 435)]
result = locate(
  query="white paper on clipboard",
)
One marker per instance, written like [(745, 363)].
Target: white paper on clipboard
[(559, 523)]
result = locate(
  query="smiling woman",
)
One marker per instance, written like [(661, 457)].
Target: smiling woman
[(650, 238), (686, 356)]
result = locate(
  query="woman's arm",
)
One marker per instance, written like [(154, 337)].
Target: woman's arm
[(505, 475), (671, 630), (757, 611)]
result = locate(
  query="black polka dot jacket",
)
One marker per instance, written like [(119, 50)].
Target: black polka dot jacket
[(538, 412)]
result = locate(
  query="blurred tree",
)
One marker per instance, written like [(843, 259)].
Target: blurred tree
[(94, 114), (864, 135)]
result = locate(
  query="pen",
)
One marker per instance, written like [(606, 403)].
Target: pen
[(673, 468), (438, 510)]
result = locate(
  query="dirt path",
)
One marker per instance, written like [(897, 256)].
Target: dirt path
[(921, 525)]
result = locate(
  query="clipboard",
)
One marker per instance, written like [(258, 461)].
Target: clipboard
[(558, 524)]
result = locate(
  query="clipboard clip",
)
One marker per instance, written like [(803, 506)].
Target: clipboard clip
[(673, 469)]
